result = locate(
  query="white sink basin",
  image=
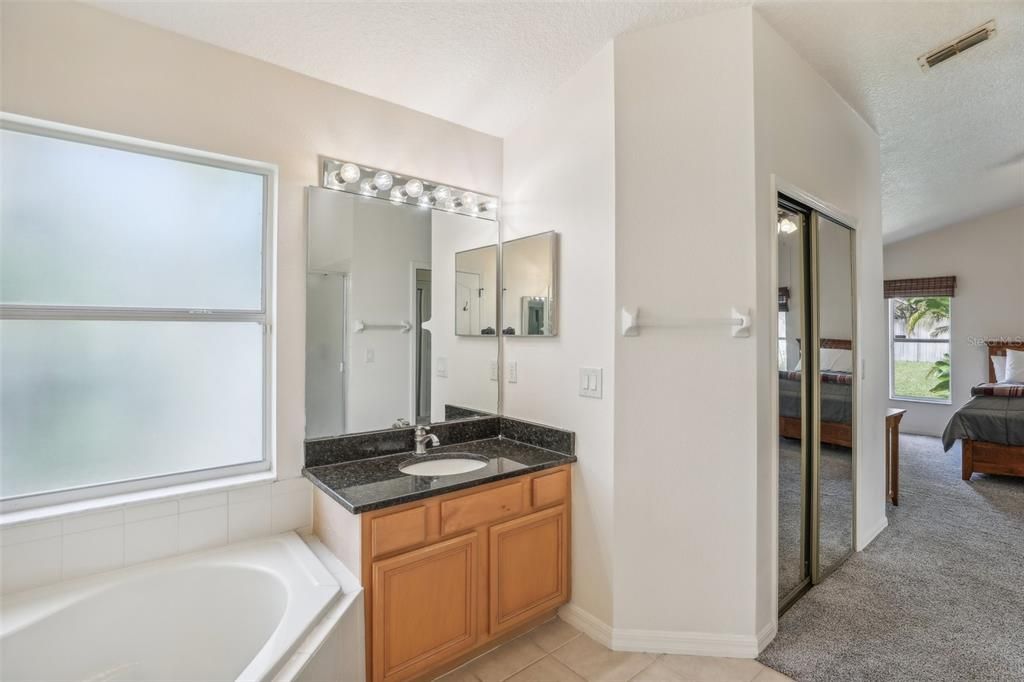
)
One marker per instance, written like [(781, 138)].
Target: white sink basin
[(442, 466)]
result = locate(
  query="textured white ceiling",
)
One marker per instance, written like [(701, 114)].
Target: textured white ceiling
[(952, 138)]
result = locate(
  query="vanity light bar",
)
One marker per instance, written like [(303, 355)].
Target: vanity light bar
[(347, 176)]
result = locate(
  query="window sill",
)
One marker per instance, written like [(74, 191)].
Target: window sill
[(154, 495), (923, 401)]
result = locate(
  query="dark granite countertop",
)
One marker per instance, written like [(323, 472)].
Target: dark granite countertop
[(375, 483)]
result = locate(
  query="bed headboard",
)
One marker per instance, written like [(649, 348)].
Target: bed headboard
[(842, 344), (1000, 348)]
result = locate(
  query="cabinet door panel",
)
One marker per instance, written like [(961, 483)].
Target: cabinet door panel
[(424, 607), (529, 567)]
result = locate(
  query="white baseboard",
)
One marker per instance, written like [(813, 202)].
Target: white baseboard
[(666, 642), (767, 634), (587, 623), (686, 643), (872, 534)]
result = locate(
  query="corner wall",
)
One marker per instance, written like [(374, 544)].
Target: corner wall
[(685, 406), (559, 174), (810, 138), (987, 257)]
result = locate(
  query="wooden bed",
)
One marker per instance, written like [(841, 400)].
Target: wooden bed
[(993, 458), (832, 433)]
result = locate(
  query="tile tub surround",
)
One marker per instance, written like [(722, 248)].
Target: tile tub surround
[(357, 446), (376, 482), (37, 553)]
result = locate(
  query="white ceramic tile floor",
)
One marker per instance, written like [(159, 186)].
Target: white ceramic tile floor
[(557, 652)]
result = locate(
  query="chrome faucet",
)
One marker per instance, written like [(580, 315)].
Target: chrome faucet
[(421, 438)]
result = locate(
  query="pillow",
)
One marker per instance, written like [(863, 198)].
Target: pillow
[(999, 365), (832, 360), (1014, 367), (836, 360)]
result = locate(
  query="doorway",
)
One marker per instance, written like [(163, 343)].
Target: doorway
[(816, 396)]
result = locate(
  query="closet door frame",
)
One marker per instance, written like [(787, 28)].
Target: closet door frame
[(806, 489)]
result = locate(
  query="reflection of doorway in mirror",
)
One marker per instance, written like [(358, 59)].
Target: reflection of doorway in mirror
[(467, 303), (421, 366)]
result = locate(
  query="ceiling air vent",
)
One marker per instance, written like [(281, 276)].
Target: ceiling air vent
[(955, 47)]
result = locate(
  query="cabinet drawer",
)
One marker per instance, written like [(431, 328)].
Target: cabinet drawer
[(550, 488), (474, 510), (399, 530)]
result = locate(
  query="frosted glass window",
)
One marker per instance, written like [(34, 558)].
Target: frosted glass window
[(93, 402), (87, 225), (134, 340)]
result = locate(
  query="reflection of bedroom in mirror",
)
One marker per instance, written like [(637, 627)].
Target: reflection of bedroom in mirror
[(530, 280), (401, 311), (816, 418)]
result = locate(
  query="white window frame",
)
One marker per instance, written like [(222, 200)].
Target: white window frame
[(264, 316), (892, 361)]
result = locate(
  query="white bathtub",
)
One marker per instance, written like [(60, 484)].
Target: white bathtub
[(237, 612)]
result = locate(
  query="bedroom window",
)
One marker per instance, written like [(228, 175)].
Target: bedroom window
[(920, 348), (134, 298)]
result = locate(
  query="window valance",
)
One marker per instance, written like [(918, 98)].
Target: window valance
[(920, 286)]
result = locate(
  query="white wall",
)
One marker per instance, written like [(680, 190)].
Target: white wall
[(987, 257), (559, 175), (808, 137), (684, 405)]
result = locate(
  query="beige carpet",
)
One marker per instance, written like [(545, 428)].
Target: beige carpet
[(939, 595)]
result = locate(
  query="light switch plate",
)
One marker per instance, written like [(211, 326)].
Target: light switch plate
[(370, 355), (442, 367), (513, 372), (591, 382), (494, 370)]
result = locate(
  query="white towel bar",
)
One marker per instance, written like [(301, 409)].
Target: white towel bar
[(632, 322), (360, 326)]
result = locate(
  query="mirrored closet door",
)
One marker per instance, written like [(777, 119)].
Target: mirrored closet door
[(816, 307)]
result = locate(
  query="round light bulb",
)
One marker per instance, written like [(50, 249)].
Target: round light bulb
[(468, 198), (442, 193), (349, 173), (383, 181), (366, 187), (787, 226), (414, 188)]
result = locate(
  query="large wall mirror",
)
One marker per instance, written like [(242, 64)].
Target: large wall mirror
[(529, 269), (400, 314)]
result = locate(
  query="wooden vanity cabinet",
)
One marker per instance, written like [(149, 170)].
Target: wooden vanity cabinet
[(446, 576)]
